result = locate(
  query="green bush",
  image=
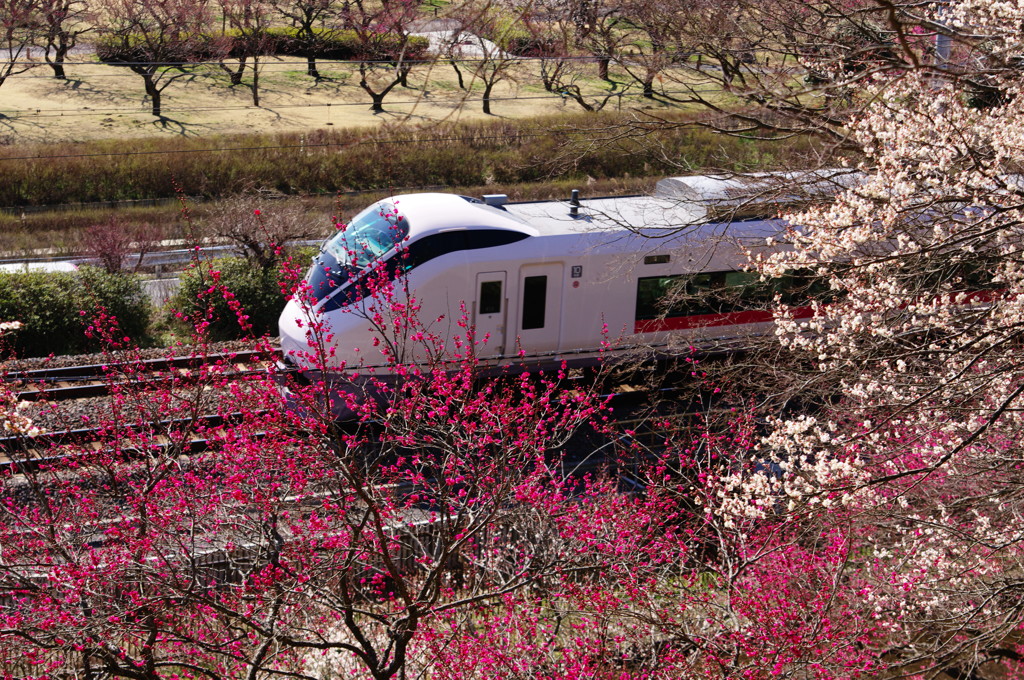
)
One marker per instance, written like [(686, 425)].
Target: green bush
[(139, 48), (50, 306), (257, 290)]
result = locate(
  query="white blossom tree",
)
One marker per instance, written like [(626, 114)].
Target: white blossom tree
[(919, 346)]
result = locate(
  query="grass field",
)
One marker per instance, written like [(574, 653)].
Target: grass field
[(100, 101)]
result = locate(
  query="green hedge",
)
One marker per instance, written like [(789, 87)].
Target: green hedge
[(346, 45), (257, 290), (137, 49), (50, 305), (343, 45)]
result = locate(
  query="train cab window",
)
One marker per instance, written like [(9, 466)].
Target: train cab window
[(535, 295), (371, 235), (490, 297), (411, 255)]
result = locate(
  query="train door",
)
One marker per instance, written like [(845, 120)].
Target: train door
[(489, 310), (539, 325)]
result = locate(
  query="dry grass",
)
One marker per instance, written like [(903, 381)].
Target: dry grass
[(100, 101)]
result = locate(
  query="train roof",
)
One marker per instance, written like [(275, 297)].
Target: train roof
[(650, 216), (434, 212)]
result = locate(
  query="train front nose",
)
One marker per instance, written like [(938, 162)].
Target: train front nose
[(294, 328)]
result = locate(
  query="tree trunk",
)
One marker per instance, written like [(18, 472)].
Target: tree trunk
[(487, 97), (602, 68), (458, 74), (60, 49), (255, 81), (377, 105), (235, 74), (154, 94), (58, 69), (311, 69), (649, 86), (546, 77)]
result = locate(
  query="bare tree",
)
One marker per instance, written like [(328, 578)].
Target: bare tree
[(311, 20), (159, 41), (113, 242), (386, 50), (261, 228), (484, 28), (20, 24), (653, 43), (65, 21), (250, 40)]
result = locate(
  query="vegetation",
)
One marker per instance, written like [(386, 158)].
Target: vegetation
[(344, 45), (50, 307), (203, 297), (463, 154), (866, 522)]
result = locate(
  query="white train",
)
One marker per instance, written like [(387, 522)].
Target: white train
[(544, 282)]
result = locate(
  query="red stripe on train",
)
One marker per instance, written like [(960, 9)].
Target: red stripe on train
[(678, 323)]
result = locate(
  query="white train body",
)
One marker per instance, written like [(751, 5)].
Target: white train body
[(544, 282)]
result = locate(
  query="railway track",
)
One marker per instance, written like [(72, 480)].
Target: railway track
[(22, 454), (627, 401), (96, 380)]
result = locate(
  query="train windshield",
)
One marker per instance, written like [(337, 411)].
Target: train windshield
[(370, 236)]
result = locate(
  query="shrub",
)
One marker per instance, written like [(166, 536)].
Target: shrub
[(346, 45), (256, 289), (138, 48), (50, 305), (470, 153), (525, 44)]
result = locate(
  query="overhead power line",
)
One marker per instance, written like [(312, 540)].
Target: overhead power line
[(277, 147), (269, 59), (359, 142), (15, 114)]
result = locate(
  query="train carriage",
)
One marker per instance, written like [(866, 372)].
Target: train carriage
[(545, 282)]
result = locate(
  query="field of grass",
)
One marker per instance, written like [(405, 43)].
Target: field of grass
[(99, 101)]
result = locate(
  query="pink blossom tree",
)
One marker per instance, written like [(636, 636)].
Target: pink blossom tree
[(294, 541)]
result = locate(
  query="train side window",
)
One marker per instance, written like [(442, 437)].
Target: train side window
[(655, 293), (490, 297), (724, 292), (436, 245), (801, 286), (535, 295), (491, 238), (701, 294), (697, 294)]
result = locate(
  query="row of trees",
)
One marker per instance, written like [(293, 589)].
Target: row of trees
[(161, 41), (769, 54)]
